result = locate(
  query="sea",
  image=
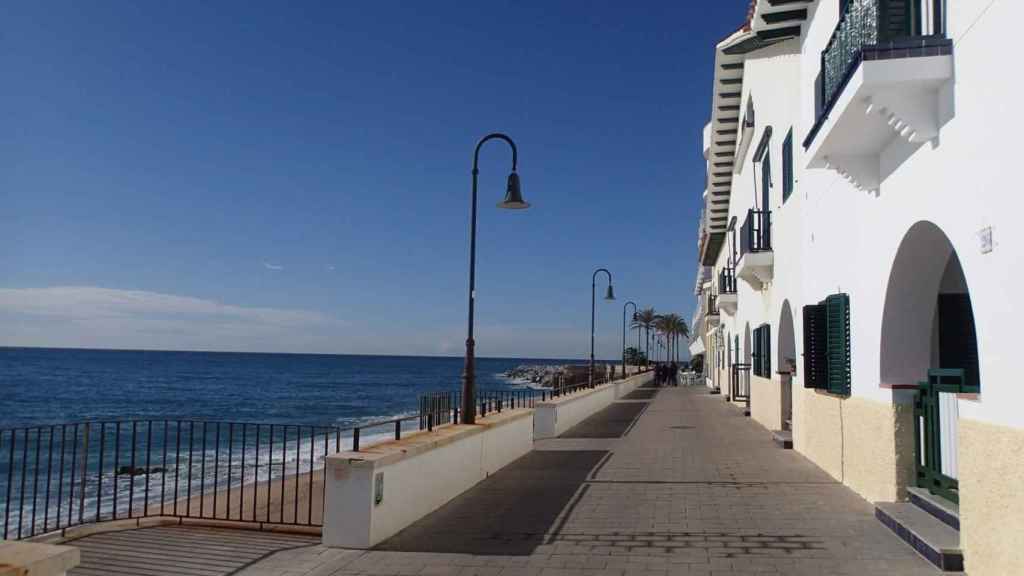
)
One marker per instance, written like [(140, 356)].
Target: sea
[(44, 392), (53, 386)]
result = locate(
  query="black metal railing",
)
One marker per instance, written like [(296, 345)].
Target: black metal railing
[(55, 477), (756, 232), (866, 26), (727, 281), (712, 305), (440, 408), (65, 475)]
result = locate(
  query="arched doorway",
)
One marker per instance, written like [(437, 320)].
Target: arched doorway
[(929, 351), (786, 361)]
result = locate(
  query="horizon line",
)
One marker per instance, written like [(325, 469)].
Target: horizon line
[(184, 351)]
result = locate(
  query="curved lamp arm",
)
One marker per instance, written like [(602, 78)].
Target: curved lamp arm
[(495, 136)]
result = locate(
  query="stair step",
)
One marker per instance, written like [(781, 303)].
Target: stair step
[(947, 512), (784, 438), (933, 539)]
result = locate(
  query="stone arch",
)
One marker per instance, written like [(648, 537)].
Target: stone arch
[(926, 269), (786, 365), (786, 347)]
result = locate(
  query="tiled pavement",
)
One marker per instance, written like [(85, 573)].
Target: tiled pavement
[(693, 487)]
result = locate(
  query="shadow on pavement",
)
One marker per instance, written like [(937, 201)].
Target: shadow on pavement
[(612, 422), (507, 514), (642, 393)]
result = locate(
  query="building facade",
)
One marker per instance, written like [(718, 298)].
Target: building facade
[(859, 245)]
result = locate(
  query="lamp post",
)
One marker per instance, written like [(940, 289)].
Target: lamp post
[(513, 201), (624, 333), (609, 295)]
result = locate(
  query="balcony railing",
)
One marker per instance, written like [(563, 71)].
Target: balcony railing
[(712, 305), (65, 475), (727, 281), (755, 233), (868, 27)]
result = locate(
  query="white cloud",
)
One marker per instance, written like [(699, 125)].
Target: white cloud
[(89, 316), (95, 317), (274, 267)]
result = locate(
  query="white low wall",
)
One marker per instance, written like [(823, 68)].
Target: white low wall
[(24, 558), (419, 474), (554, 417)]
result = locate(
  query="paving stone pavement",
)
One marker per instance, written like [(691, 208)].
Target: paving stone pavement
[(693, 488)]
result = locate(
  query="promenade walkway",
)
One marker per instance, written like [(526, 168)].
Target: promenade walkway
[(668, 482)]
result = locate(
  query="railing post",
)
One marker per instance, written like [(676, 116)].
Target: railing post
[(355, 439)]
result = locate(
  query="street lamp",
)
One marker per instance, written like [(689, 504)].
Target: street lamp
[(624, 333), (609, 295), (513, 201)]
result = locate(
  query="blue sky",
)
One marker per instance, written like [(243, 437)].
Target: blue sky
[(268, 177)]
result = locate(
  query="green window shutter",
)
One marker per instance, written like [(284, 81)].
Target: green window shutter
[(755, 354), (766, 349), (815, 359), (787, 166), (838, 343)]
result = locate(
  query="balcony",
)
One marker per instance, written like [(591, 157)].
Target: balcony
[(711, 310), (885, 88), (727, 301), (757, 262)]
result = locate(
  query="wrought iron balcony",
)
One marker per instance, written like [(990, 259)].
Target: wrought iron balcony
[(727, 300), (756, 232), (756, 259), (711, 308), (727, 281), (886, 60)]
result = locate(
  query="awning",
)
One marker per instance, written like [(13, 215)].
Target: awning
[(697, 347)]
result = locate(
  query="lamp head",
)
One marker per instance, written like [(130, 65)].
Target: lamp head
[(610, 294), (513, 195)]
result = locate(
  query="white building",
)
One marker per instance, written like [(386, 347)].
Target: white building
[(861, 225)]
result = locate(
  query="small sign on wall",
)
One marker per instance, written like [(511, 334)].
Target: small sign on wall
[(985, 237), (378, 488)]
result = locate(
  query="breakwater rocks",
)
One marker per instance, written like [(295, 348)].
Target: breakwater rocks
[(546, 376)]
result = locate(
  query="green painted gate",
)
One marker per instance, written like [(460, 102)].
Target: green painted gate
[(928, 432)]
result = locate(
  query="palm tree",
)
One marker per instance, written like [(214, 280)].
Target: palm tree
[(672, 327), (645, 319)]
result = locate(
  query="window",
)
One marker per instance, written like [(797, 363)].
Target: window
[(762, 353), (827, 345), (787, 166)]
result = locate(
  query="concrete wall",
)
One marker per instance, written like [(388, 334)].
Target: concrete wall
[(420, 474), (555, 416), (766, 401), (865, 444), (423, 471), (25, 558), (991, 506)]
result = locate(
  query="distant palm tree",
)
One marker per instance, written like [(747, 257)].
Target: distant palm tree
[(645, 319), (672, 327)]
